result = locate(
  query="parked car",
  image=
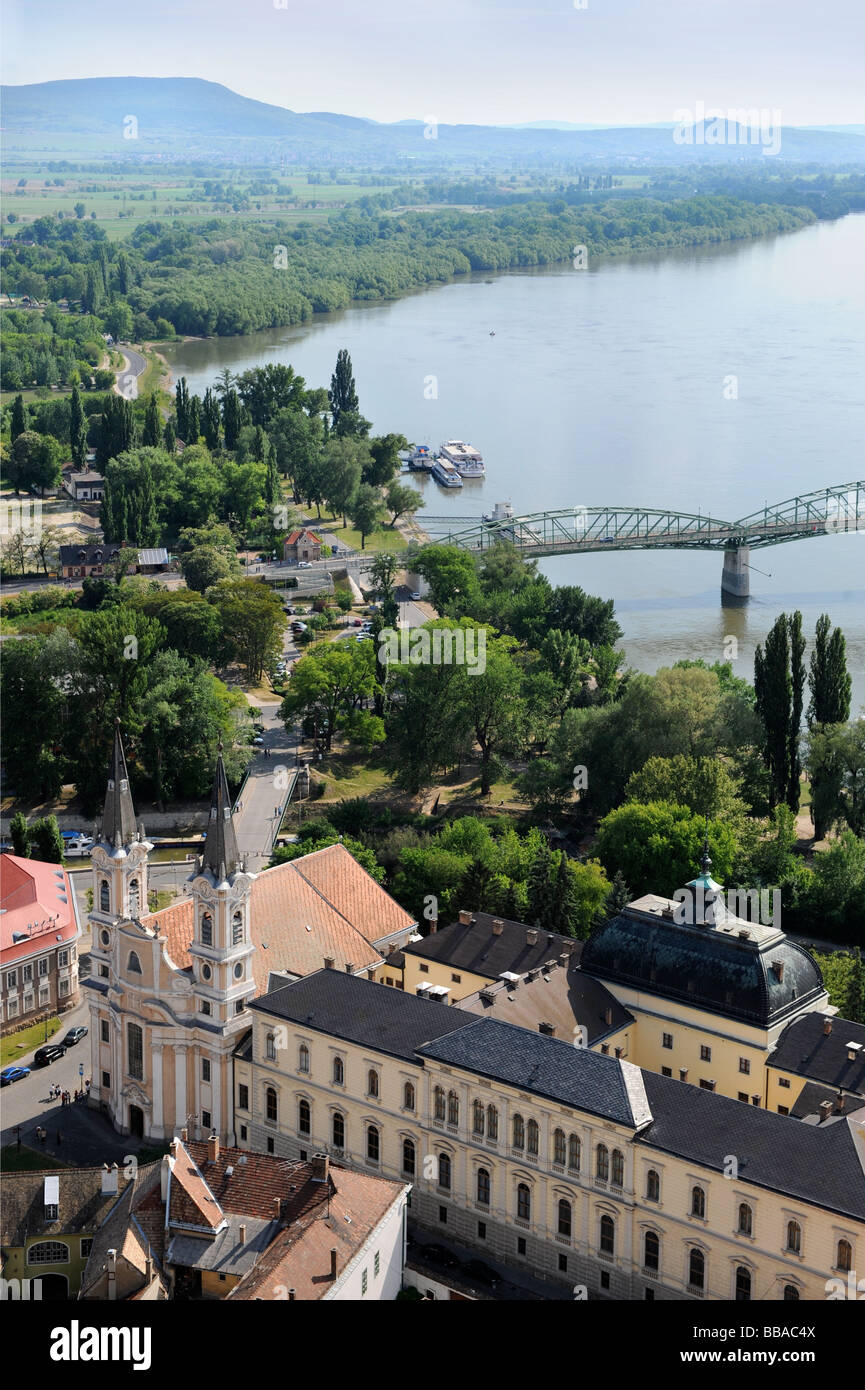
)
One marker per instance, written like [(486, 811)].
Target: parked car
[(10, 1074), (258, 741), (356, 622), (363, 637), (287, 608), (304, 564), (73, 1036), (415, 594), (298, 627), (44, 1056)]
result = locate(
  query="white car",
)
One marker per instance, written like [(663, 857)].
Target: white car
[(304, 564), (415, 595)]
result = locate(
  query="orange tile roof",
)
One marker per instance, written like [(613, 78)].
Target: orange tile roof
[(299, 1258), (295, 536), (321, 905), (191, 1201), (38, 901)]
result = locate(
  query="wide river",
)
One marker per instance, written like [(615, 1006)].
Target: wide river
[(711, 380)]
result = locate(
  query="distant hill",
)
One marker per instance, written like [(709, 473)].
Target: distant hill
[(186, 115)]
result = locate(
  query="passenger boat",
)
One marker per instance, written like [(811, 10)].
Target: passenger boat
[(467, 460), (444, 473), (421, 458)]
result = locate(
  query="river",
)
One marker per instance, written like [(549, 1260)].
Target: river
[(708, 380)]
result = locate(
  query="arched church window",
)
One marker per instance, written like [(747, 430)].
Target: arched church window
[(133, 965)]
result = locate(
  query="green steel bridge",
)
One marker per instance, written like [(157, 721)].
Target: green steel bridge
[(572, 530)]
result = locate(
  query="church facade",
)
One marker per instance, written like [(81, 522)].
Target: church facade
[(169, 990)]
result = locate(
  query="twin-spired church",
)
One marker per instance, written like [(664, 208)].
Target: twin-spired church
[(169, 990)]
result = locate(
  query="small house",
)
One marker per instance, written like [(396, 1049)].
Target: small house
[(302, 545)]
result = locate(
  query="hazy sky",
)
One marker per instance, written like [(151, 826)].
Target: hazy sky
[(486, 61)]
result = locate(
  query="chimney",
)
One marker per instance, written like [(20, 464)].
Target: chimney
[(532, 936), (349, 967), (112, 1274), (333, 1255), (498, 927), (329, 962), (434, 924), (608, 1016), (465, 917), (166, 1168), (184, 1136), (277, 1208), (109, 1179), (148, 1270), (568, 948), (839, 1103), (547, 1028), (370, 974), (853, 1051), (292, 1295), (174, 1147), (530, 975), (827, 1027), (563, 959), (825, 1110), (242, 1233), (778, 970), (213, 1147), (320, 1166)]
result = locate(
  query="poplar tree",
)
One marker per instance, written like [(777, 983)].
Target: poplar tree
[(342, 394), (779, 685), (152, 433), (828, 679), (181, 408), (18, 423), (77, 429)]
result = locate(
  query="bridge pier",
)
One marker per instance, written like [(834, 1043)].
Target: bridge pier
[(735, 577)]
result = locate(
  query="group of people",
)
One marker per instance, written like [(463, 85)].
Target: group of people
[(69, 1097)]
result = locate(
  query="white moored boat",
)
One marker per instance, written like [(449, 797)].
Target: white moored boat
[(444, 473), (466, 460)]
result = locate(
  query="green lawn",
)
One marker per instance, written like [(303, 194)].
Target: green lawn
[(25, 1160), (379, 540), (20, 1044)]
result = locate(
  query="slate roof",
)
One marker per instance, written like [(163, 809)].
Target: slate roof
[(703, 966), (478, 949), (118, 813), (220, 854), (364, 1012), (812, 1096), (565, 998), (72, 554), (226, 1253), (804, 1049), (814, 1163), (603, 1086)]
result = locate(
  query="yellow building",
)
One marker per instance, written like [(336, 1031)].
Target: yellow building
[(550, 1159)]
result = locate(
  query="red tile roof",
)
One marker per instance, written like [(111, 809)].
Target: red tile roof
[(321, 905), (296, 535), (37, 901), (299, 1258)]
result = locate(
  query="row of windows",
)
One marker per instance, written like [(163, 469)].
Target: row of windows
[(43, 968), (56, 1252), (706, 1053)]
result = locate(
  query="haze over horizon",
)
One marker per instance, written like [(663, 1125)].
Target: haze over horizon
[(486, 62)]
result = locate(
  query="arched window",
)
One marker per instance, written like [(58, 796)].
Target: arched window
[(453, 1108), (746, 1220), (439, 1103), (743, 1284), (206, 929), (304, 1117), (48, 1252), (408, 1096), (270, 1049), (372, 1082), (845, 1256), (524, 1202), (608, 1235), (372, 1143), (270, 1106), (478, 1117), (483, 1187), (519, 1132), (408, 1157), (559, 1147), (574, 1153), (696, 1268), (104, 896), (134, 897), (698, 1202), (602, 1163), (237, 929), (791, 1293), (618, 1174), (492, 1122), (303, 1057), (444, 1171), (338, 1071), (135, 1040), (133, 964), (338, 1130), (532, 1137), (653, 1186), (565, 1217), (651, 1251), (794, 1237)]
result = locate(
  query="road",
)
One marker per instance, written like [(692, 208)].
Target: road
[(126, 383)]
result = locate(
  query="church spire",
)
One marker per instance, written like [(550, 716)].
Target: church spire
[(118, 814), (220, 848)]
